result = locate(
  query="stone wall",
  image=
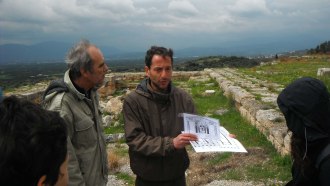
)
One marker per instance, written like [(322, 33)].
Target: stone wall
[(119, 81), (256, 103)]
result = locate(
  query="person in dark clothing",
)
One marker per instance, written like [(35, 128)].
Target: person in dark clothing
[(33, 149), (153, 128), (306, 106)]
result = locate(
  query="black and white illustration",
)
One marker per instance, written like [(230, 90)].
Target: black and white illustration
[(204, 127), (211, 136)]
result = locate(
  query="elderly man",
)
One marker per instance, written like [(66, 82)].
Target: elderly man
[(76, 99)]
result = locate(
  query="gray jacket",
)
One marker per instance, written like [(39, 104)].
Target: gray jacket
[(86, 142), (151, 122)]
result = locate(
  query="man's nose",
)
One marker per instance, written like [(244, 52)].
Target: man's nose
[(163, 73), (106, 68)]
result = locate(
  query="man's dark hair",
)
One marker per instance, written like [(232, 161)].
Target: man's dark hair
[(156, 50), (32, 143)]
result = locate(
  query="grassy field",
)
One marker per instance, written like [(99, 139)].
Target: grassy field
[(267, 165), (285, 70)]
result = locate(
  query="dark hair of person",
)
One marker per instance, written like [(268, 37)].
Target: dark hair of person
[(78, 58), (33, 143), (298, 149), (156, 50)]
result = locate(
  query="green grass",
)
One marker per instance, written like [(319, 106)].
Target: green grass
[(288, 70), (276, 167), (210, 103), (115, 129), (129, 180), (119, 150), (220, 158)]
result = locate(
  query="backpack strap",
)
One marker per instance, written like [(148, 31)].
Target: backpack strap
[(324, 153)]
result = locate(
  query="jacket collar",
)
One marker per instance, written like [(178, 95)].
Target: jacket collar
[(72, 87), (145, 89)]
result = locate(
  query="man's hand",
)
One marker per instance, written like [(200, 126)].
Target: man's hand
[(232, 135), (183, 139)]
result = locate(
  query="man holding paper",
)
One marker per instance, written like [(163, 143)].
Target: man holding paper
[(153, 127)]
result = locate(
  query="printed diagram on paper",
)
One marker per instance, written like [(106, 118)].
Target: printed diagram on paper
[(211, 136)]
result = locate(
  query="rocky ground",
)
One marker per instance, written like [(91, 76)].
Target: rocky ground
[(200, 173)]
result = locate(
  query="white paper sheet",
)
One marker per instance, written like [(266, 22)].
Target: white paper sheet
[(211, 136)]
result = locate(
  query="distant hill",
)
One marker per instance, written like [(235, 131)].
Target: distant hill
[(323, 48), (27, 53), (52, 50), (42, 52)]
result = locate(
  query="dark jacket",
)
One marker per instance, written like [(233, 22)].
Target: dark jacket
[(306, 106), (86, 143), (151, 122)]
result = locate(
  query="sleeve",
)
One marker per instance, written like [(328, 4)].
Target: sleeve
[(324, 172), (136, 137), (191, 105), (75, 175), (57, 104)]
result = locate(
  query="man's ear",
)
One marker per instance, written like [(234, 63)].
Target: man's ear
[(42, 180), (147, 70), (83, 72)]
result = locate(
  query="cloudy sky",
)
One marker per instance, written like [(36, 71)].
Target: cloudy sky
[(137, 24)]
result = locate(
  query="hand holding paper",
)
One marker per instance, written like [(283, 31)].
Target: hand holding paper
[(211, 136), (183, 139)]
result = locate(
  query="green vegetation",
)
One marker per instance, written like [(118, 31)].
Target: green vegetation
[(289, 69), (126, 178), (113, 129), (270, 165), (220, 158), (322, 48), (216, 62), (119, 150), (17, 75)]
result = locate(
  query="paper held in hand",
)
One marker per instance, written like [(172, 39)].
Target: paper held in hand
[(211, 136)]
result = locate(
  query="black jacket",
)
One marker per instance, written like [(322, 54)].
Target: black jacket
[(306, 106)]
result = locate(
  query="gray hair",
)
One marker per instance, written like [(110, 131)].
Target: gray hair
[(78, 58)]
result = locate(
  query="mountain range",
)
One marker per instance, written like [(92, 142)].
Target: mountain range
[(55, 51)]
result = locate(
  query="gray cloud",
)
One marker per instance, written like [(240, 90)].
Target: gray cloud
[(182, 8), (135, 24)]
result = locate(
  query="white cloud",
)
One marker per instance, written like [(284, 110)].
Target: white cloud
[(182, 8), (249, 7)]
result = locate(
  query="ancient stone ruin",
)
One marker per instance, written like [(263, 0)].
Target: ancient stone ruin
[(255, 99)]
